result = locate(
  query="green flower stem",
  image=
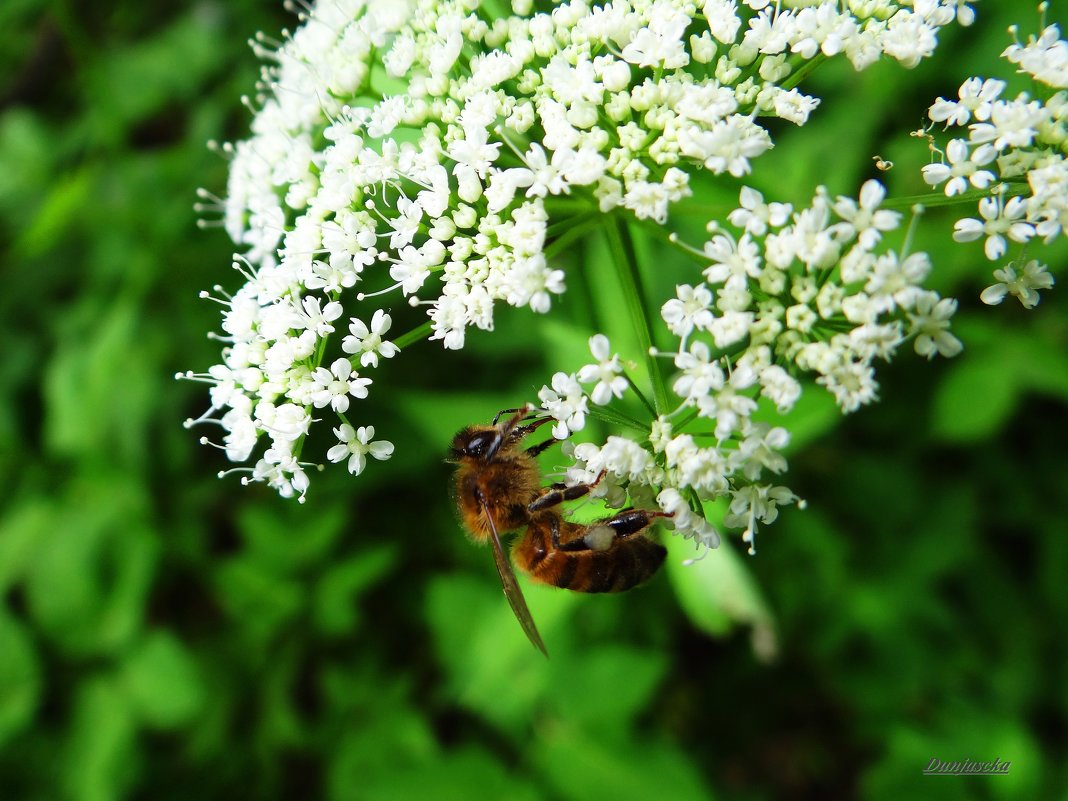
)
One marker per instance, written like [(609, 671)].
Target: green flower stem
[(625, 261), (665, 236), (413, 336), (802, 72), (617, 418), (910, 232), (640, 394), (939, 199), (561, 227), (689, 418), (564, 239), (320, 351)]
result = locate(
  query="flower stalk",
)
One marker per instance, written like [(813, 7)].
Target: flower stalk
[(625, 261)]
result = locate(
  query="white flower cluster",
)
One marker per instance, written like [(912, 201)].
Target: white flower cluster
[(421, 150), (785, 293), (1015, 151)]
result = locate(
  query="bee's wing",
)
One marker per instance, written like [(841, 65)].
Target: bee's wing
[(511, 586)]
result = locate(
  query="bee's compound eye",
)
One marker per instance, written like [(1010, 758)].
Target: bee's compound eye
[(477, 445)]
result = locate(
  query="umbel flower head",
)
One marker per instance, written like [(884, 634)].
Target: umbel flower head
[(1016, 149), (439, 153)]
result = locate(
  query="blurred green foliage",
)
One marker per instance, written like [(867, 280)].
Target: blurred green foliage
[(167, 635)]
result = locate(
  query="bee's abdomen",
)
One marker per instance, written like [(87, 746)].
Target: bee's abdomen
[(628, 563)]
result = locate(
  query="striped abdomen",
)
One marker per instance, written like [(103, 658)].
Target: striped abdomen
[(627, 562)]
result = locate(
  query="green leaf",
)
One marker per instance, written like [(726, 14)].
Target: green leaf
[(462, 775), (20, 679), (162, 682), (975, 399), (97, 394), (285, 538), (261, 602), (146, 72), (1037, 356), (27, 160), (22, 531), (959, 733), (102, 750), (59, 211), (582, 766), (492, 667), (335, 600), (718, 591), (398, 740), (88, 582), (606, 686)]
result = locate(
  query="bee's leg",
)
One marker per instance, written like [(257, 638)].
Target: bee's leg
[(601, 535), (522, 431), (512, 431), (534, 450), (524, 409), (555, 533), (576, 544), (631, 521), (556, 495)]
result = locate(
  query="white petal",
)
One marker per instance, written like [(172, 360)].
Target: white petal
[(934, 174), (993, 295), (872, 194), (357, 463), (995, 247), (967, 230), (338, 452), (599, 347), (381, 322), (381, 450), (342, 368)]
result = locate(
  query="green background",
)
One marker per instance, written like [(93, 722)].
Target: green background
[(168, 635)]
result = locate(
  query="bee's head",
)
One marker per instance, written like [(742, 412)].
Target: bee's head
[(478, 443)]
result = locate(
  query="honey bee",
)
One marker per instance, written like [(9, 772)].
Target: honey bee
[(498, 490)]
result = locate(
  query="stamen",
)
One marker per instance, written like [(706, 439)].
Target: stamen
[(200, 378), (225, 150), (189, 422), (499, 130), (302, 9), (240, 263), (674, 239), (694, 560), (205, 295), (388, 289), (232, 471), (204, 194)]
